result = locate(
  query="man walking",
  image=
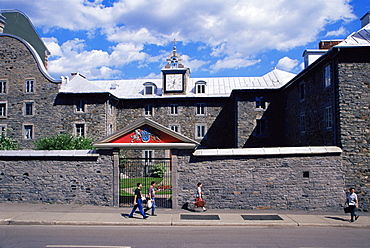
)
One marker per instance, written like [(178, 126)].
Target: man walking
[(151, 194), (138, 203)]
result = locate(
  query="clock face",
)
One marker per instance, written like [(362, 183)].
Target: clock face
[(174, 82)]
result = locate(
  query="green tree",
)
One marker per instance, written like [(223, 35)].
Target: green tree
[(7, 143), (64, 142)]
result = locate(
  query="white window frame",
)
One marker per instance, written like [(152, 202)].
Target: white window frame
[(77, 129), (3, 128), (175, 127), (174, 109), (260, 103), (200, 109), (328, 118), (28, 131), (200, 131), (3, 86), (32, 109), (80, 106), (148, 110), (3, 109), (327, 76), (200, 87), (29, 86)]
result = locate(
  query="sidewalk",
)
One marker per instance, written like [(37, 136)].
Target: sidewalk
[(53, 214)]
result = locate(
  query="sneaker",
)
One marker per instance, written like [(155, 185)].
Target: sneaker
[(130, 216), (357, 217), (146, 217), (154, 215)]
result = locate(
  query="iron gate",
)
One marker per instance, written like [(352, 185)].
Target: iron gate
[(144, 171)]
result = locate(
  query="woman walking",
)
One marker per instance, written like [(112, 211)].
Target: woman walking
[(352, 202)]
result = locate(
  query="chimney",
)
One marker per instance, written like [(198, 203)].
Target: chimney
[(365, 19), (2, 23)]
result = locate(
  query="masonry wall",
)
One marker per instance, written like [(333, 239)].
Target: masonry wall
[(17, 65), (354, 102), (263, 182), (62, 180)]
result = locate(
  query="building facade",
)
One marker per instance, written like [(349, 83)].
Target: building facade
[(327, 104)]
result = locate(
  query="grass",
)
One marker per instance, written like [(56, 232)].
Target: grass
[(131, 183)]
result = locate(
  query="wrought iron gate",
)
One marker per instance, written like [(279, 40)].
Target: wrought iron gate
[(144, 171)]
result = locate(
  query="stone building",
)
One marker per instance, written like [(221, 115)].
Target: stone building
[(224, 122)]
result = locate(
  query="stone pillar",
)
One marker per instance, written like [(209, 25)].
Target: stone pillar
[(174, 175), (115, 178)]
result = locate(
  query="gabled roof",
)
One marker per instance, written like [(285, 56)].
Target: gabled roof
[(358, 38), (216, 86), (146, 134)]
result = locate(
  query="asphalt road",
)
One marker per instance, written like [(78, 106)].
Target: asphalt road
[(181, 236)]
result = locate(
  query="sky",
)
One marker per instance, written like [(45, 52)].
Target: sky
[(129, 39)]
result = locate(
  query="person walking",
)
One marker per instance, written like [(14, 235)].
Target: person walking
[(151, 194), (138, 203), (199, 202), (352, 202)]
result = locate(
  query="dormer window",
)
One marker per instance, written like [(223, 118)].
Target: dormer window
[(200, 87), (149, 88)]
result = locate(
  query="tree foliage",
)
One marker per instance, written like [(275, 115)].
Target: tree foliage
[(64, 142), (7, 143)]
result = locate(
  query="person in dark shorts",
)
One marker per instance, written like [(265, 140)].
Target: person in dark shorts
[(138, 203)]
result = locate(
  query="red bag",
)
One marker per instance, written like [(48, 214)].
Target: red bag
[(199, 202)]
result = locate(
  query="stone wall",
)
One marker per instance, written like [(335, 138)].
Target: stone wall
[(244, 182), (354, 99), (64, 178)]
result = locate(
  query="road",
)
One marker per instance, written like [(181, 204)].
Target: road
[(180, 236)]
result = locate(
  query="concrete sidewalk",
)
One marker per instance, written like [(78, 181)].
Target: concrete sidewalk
[(54, 214)]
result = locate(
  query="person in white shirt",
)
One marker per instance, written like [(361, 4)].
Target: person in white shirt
[(352, 202)]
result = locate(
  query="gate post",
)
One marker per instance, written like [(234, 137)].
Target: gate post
[(175, 188), (115, 178)]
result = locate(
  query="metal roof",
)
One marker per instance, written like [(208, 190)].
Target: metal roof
[(358, 38), (215, 86)]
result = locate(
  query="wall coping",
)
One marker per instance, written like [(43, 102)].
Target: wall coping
[(47, 153), (268, 151)]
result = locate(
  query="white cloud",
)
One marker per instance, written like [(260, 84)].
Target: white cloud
[(337, 33), (287, 64), (246, 28)]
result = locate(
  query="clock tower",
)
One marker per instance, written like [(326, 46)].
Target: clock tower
[(175, 75)]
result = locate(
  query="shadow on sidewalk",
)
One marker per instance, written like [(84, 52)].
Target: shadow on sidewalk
[(336, 218)]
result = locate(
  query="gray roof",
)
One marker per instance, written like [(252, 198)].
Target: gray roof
[(215, 86), (358, 38)]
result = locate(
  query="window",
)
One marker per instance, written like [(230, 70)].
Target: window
[(28, 132), (80, 129), (80, 106), (328, 118), (302, 91), (3, 130), (302, 123), (327, 76), (28, 108), (200, 109), (29, 86), (260, 127), (3, 110), (110, 129), (111, 107), (260, 103), (148, 156), (175, 128), (3, 88), (306, 174), (148, 110), (148, 90), (174, 109), (200, 87), (200, 131)]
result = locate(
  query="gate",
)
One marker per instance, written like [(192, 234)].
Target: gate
[(144, 171)]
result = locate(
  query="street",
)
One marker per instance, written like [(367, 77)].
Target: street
[(181, 236)]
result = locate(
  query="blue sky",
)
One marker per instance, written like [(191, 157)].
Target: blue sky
[(126, 39)]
